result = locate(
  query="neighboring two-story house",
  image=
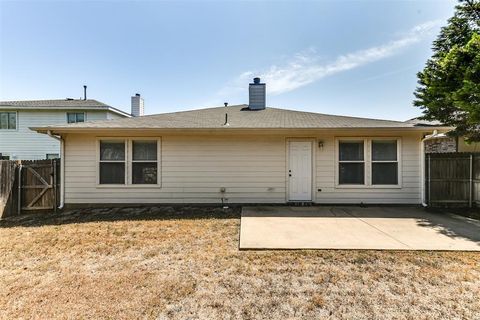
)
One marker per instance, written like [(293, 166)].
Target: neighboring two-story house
[(17, 141)]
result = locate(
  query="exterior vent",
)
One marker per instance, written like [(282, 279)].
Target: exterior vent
[(137, 105), (257, 95)]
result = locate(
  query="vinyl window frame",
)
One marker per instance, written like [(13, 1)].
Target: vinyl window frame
[(16, 120), (100, 161), (131, 162), (76, 113), (368, 163), (364, 161), (397, 161), (128, 162)]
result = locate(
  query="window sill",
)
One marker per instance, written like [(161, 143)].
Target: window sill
[(364, 186)]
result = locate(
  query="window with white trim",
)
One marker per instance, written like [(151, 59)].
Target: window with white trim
[(351, 166), (144, 162), (368, 162), (129, 162), (112, 162), (384, 162), (8, 120), (74, 117)]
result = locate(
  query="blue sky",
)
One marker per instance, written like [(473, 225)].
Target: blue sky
[(355, 58)]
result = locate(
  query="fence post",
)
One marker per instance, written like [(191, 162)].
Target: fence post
[(19, 204), (470, 193)]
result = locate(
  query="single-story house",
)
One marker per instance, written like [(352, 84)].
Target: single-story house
[(242, 154)]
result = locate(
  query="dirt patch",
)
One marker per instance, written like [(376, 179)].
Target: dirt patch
[(165, 266)]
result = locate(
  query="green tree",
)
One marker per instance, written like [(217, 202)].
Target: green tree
[(449, 85)]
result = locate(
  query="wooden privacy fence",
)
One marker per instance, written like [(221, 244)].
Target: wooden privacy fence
[(452, 179), (28, 186)]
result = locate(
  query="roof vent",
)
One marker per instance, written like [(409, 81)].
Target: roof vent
[(257, 95)]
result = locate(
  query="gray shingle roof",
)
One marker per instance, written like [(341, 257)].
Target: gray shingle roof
[(76, 104), (418, 121), (65, 103), (239, 117)]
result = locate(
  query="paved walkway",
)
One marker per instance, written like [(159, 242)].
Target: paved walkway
[(395, 228)]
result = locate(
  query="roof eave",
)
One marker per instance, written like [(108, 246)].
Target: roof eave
[(120, 112), (101, 108), (231, 129)]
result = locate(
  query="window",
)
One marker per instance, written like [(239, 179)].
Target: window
[(368, 162), (129, 161), (384, 162), (112, 162), (74, 117), (351, 162), (8, 120), (52, 156), (144, 162)]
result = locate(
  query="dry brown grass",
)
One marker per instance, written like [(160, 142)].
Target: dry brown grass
[(192, 268)]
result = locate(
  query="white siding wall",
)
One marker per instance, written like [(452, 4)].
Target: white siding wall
[(113, 115), (251, 168), (26, 144), (410, 165)]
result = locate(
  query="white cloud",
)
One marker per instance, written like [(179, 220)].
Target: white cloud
[(305, 67)]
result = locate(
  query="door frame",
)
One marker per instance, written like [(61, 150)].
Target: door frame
[(287, 165)]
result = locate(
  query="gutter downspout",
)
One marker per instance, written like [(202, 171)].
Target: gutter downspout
[(62, 167), (422, 170), (422, 165)]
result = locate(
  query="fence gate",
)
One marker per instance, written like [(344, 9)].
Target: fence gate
[(452, 179), (38, 185)]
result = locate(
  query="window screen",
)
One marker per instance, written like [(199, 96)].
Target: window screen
[(351, 167), (74, 117), (144, 162), (384, 162), (112, 162), (8, 120)]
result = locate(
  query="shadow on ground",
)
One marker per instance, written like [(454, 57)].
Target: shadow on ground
[(85, 215)]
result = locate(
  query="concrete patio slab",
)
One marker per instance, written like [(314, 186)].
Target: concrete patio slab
[(391, 228)]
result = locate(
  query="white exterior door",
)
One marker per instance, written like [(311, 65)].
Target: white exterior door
[(300, 171)]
